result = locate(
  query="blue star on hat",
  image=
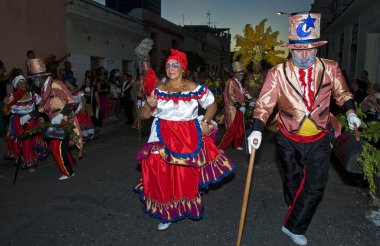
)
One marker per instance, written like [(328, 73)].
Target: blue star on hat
[(309, 22)]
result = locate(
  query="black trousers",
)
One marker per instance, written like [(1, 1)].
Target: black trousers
[(305, 172)]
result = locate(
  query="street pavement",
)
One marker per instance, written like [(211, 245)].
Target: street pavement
[(98, 207)]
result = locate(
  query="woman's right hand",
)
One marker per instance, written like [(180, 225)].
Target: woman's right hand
[(205, 128), (152, 101)]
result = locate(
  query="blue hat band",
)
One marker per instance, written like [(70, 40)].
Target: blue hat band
[(307, 41), (34, 74)]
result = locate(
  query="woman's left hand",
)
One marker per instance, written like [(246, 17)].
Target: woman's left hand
[(205, 128)]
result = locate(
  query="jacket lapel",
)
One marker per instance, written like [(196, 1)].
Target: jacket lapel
[(291, 78), (318, 76)]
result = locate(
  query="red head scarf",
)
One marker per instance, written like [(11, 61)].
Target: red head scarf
[(178, 56)]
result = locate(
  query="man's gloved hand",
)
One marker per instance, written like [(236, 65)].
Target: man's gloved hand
[(352, 119), (254, 135), (252, 104), (57, 119), (242, 109), (24, 119)]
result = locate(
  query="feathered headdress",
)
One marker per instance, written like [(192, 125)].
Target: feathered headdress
[(142, 50), (150, 81)]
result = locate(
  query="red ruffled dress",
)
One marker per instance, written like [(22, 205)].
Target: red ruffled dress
[(178, 162), (34, 148)]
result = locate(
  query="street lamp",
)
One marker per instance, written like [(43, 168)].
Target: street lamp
[(282, 13)]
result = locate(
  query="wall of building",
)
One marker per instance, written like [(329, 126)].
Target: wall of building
[(165, 35), (97, 32), (360, 49), (32, 24)]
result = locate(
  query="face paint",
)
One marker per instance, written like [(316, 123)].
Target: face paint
[(173, 65), (305, 59), (303, 62)]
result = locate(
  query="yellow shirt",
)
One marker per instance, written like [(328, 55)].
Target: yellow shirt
[(308, 128)]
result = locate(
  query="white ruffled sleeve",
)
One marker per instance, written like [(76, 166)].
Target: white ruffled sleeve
[(207, 99)]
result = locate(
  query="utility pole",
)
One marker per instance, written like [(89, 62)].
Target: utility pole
[(208, 17)]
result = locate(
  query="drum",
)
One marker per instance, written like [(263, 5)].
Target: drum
[(347, 149)]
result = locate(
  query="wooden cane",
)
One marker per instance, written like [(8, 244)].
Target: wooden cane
[(246, 193), (356, 133), (245, 136)]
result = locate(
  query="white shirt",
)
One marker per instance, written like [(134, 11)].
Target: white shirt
[(183, 110)]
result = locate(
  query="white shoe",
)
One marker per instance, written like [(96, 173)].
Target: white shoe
[(163, 226), (63, 177), (239, 148), (298, 239)]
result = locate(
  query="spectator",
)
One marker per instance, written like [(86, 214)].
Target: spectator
[(52, 64), (364, 76), (371, 104), (30, 54), (92, 99), (103, 93), (126, 98), (115, 91), (359, 90), (68, 66)]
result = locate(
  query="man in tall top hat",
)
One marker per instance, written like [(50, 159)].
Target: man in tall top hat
[(234, 107), (59, 104), (302, 88)]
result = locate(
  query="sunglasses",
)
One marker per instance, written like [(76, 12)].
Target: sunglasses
[(172, 65)]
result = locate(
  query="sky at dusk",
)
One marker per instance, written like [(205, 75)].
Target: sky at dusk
[(233, 14)]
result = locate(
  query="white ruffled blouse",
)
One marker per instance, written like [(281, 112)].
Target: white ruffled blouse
[(181, 106)]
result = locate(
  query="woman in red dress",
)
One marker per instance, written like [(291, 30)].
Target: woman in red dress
[(22, 105), (180, 160)]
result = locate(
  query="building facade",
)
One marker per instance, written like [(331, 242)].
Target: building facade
[(99, 36), (165, 35), (352, 28), (96, 35), (93, 34), (31, 25), (213, 44)]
